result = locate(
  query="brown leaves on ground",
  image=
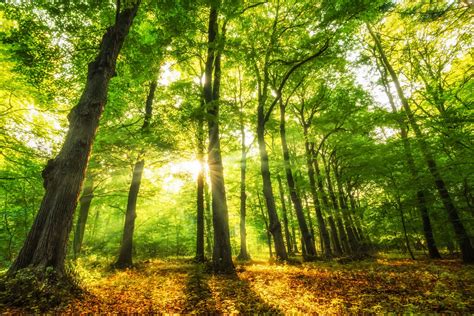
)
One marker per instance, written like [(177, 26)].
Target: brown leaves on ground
[(258, 287)]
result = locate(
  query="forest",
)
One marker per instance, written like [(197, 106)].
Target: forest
[(237, 156)]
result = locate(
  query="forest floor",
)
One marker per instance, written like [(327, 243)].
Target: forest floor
[(378, 285)]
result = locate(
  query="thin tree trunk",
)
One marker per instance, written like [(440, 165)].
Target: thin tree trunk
[(293, 229), (289, 245), (335, 240), (126, 250), (222, 254), (340, 227), (200, 257), (208, 220), (317, 205), (402, 217), (46, 243), (125, 259), (310, 220), (243, 255), (295, 198), (461, 233), (420, 194), (345, 213), (85, 203), (267, 228), (275, 226)]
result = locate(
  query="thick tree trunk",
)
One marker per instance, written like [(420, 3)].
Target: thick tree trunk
[(84, 206), (284, 211), (46, 243), (222, 255), (243, 255), (461, 233), (295, 198), (312, 183), (126, 249)]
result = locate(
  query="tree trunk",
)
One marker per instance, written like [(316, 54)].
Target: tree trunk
[(293, 230), (85, 203), (335, 240), (46, 243), (345, 213), (243, 255), (340, 227), (126, 249), (312, 183), (461, 233), (200, 257), (289, 245), (275, 226), (310, 220), (402, 217), (420, 194), (267, 228), (295, 198), (125, 257), (222, 255), (208, 217)]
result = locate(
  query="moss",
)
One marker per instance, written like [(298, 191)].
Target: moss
[(38, 290)]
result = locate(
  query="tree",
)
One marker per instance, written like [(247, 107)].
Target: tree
[(222, 256), (63, 175)]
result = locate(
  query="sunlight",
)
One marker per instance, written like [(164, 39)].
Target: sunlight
[(172, 184), (174, 174), (168, 75)]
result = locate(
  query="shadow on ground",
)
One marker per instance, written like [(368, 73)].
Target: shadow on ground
[(208, 293)]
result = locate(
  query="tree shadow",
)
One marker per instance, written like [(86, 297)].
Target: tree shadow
[(208, 293)]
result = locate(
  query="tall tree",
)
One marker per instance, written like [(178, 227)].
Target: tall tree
[(46, 243), (125, 258), (222, 255), (461, 233), (308, 238)]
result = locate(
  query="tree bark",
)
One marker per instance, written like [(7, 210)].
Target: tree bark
[(462, 237), (317, 205), (295, 198), (46, 243), (340, 227), (336, 245), (284, 211), (222, 255), (208, 220), (85, 203), (243, 255), (125, 259), (267, 228), (420, 194), (126, 249), (275, 226), (200, 257)]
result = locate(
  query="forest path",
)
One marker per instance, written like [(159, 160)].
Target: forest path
[(369, 286)]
